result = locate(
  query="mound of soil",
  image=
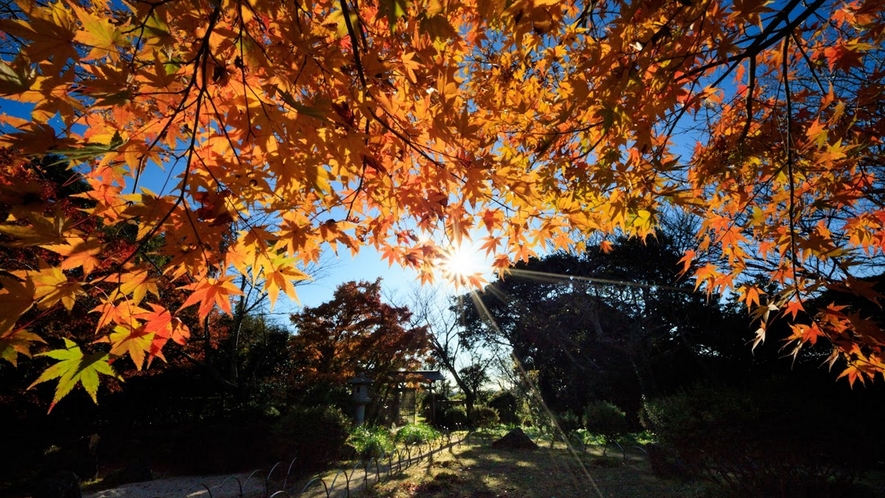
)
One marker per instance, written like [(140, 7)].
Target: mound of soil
[(515, 440)]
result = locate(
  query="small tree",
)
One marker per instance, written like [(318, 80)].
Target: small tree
[(354, 333), (606, 420)]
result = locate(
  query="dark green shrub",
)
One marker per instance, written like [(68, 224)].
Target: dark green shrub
[(416, 433), (763, 442), (506, 405), (484, 416), (316, 435), (568, 422), (371, 441), (605, 419), (452, 418)]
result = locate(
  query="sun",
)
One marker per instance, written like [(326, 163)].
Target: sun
[(462, 266)]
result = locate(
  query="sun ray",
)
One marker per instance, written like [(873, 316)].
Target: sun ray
[(463, 267), (487, 317)]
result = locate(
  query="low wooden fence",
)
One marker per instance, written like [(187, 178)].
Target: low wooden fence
[(281, 481)]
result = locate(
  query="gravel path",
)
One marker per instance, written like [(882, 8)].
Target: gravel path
[(224, 486)]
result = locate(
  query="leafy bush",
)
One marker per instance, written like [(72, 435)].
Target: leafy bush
[(568, 422), (452, 418), (484, 416), (765, 442), (316, 434), (605, 419), (371, 441), (416, 433), (506, 404)]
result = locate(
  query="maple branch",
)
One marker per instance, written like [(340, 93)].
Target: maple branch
[(142, 26), (791, 208), (767, 38), (355, 46), (200, 55), (751, 88), (354, 42), (239, 64)]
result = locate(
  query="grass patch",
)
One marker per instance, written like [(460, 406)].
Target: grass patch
[(476, 470), (416, 434)]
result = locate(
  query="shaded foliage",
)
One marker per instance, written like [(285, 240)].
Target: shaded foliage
[(609, 324), (780, 437), (315, 434)]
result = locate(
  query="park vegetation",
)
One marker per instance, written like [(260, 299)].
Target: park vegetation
[(683, 200)]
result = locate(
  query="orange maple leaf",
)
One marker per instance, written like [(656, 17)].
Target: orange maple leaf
[(15, 299), (123, 313), (793, 307), (164, 326), (750, 295), (209, 292), (78, 252), (686, 261)]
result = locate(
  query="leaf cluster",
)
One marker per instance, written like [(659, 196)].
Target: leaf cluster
[(243, 138)]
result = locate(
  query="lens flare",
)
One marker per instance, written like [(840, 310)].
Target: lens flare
[(463, 266)]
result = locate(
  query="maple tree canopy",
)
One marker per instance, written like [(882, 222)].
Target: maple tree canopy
[(279, 128)]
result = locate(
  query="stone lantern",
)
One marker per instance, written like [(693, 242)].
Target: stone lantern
[(360, 397)]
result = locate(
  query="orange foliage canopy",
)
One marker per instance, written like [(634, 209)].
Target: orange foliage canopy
[(278, 128)]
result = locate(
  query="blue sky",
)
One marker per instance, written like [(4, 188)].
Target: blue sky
[(367, 265)]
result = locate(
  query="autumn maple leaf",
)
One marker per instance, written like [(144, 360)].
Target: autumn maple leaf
[(209, 292), (40, 230), (78, 252), (132, 341), (163, 326), (17, 342), (74, 367), (845, 56), (121, 313), (104, 38), (52, 286), (793, 307), (16, 298)]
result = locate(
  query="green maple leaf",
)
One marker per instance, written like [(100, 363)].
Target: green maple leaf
[(74, 367)]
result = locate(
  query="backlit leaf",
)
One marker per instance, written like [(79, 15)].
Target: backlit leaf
[(209, 292), (74, 367)]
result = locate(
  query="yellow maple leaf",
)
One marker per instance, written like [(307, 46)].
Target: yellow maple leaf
[(280, 277), (17, 342), (135, 342), (51, 286), (97, 32), (138, 283), (40, 231)]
